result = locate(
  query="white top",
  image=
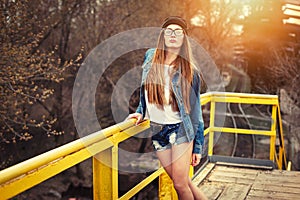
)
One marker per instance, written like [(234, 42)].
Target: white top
[(166, 116)]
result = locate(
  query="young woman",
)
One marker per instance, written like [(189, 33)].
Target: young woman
[(170, 98)]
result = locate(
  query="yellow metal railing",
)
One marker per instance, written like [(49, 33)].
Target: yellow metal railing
[(244, 98), (103, 146), (29, 173)]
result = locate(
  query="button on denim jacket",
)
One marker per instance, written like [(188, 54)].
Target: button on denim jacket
[(193, 121)]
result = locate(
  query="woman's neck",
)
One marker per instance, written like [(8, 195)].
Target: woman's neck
[(171, 55)]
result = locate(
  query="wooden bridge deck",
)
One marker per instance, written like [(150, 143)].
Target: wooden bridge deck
[(225, 181)]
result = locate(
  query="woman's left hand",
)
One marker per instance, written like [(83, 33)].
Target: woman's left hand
[(196, 159)]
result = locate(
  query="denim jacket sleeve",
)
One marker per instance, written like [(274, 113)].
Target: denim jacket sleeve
[(141, 107), (142, 103), (196, 114)]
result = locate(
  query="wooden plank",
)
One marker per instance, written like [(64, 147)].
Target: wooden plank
[(263, 198), (271, 187), (227, 182), (269, 177), (212, 191), (286, 173), (290, 185), (225, 179), (235, 191), (228, 175), (234, 175), (236, 169), (279, 184), (258, 194), (278, 179), (277, 173), (284, 180), (203, 174)]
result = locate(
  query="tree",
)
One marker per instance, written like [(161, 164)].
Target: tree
[(26, 73), (264, 35)]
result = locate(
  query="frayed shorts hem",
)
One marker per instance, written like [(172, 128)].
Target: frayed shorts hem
[(169, 146)]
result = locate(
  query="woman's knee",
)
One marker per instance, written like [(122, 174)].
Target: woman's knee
[(181, 184)]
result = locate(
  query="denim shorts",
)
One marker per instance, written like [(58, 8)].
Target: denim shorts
[(166, 135)]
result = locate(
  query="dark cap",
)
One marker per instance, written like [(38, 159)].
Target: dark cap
[(175, 20)]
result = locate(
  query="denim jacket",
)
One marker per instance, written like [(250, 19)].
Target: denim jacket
[(193, 121)]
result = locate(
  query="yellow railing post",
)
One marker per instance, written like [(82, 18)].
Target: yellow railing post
[(115, 171), (105, 174), (280, 158), (273, 130), (166, 190), (211, 127), (281, 139)]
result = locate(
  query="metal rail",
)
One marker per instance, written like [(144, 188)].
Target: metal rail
[(103, 146), (242, 98)]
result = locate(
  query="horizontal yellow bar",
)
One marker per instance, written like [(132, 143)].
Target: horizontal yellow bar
[(243, 131), (42, 159), (245, 100), (132, 131), (142, 184), (240, 95), (30, 179)]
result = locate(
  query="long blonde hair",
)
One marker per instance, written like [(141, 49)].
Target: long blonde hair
[(155, 80)]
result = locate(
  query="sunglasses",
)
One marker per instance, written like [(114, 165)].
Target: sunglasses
[(177, 32)]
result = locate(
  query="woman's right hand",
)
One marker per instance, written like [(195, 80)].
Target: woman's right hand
[(137, 116)]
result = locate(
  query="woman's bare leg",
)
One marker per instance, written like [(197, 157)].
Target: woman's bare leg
[(165, 158), (176, 163), (198, 195), (181, 160), (180, 173)]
